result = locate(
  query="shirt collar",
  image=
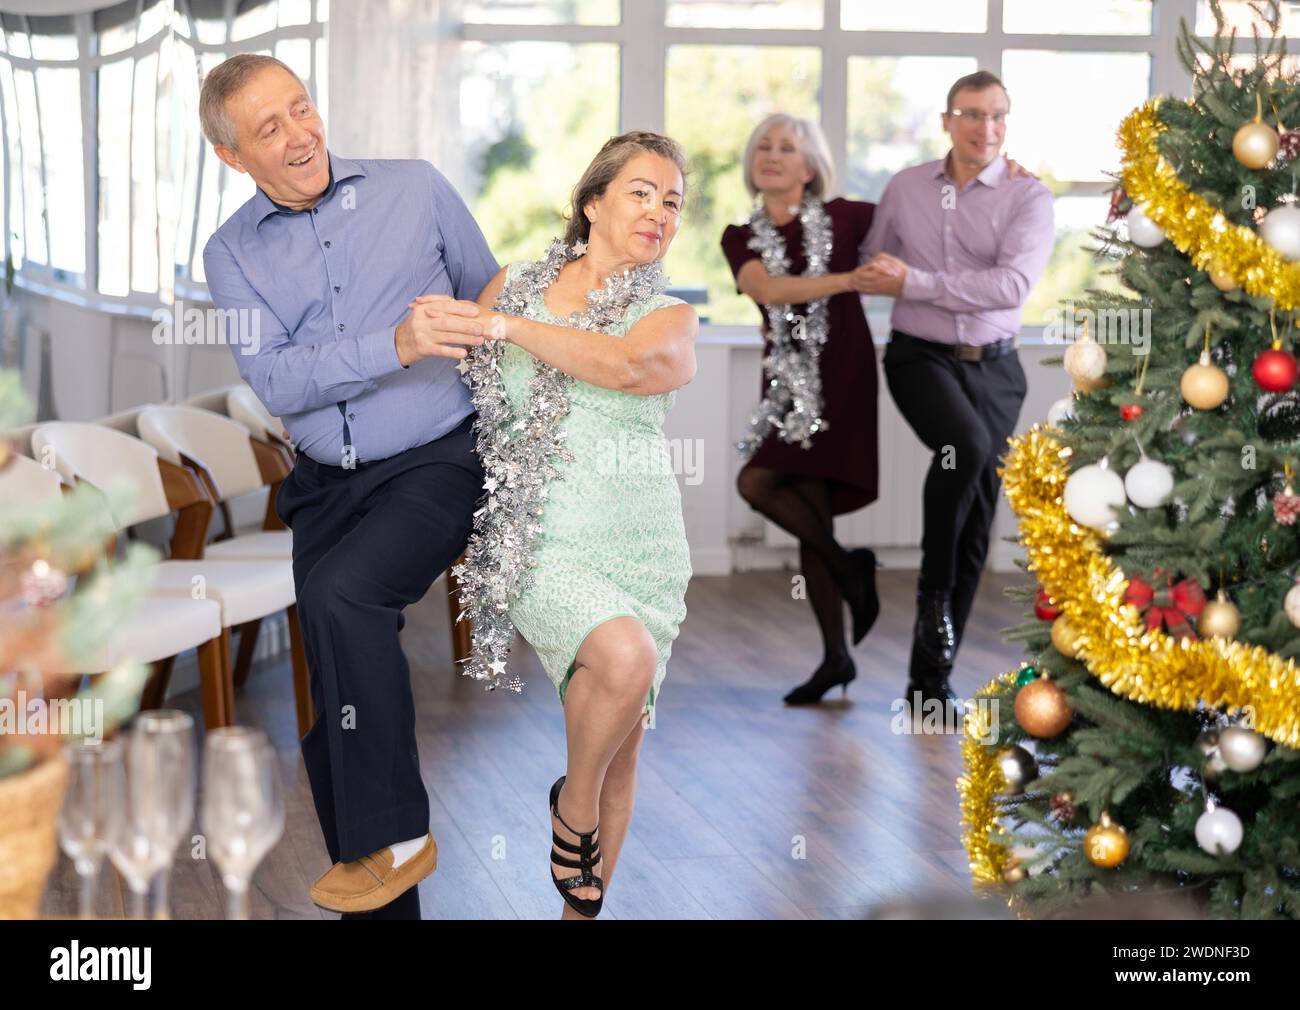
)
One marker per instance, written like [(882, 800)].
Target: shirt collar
[(340, 169), (994, 172)]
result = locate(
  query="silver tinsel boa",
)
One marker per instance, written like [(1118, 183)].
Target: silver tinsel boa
[(792, 402), (520, 453)]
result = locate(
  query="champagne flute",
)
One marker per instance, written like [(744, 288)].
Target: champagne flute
[(242, 812), (88, 819), (165, 739), (156, 796)]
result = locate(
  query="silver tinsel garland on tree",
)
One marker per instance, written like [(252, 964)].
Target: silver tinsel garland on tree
[(792, 402), (520, 453)]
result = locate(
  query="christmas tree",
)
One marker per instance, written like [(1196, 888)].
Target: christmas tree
[(65, 587), (1157, 716)]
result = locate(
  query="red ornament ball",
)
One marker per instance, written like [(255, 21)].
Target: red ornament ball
[(1044, 608), (1130, 411), (1275, 370)]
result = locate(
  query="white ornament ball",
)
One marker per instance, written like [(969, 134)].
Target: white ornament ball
[(1281, 229), (1142, 230), (1219, 831), (1291, 604), (1085, 360), (1148, 483), (1061, 410), (1243, 749), (1091, 495)]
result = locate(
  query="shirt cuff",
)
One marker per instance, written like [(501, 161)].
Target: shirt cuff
[(920, 285), (379, 352)]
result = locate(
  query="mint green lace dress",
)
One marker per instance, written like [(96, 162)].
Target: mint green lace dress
[(612, 542)]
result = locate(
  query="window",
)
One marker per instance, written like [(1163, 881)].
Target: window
[(100, 114), (532, 113), (542, 12), (874, 73), (110, 189), (715, 95), (42, 116), (207, 32)]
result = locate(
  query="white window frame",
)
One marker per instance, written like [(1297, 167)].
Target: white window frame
[(40, 278), (644, 37), (186, 287)]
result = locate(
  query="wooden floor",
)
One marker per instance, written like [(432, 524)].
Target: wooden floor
[(745, 808)]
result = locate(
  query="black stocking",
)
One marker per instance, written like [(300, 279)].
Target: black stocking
[(823, 593), (801, 506)]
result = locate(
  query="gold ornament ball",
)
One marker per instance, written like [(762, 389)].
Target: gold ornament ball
[(1042, 709), (1014, 873), (1106, 843), (1064, 637), (1204, 385), (1222, 280), (1255, 144), (1291, 603), (1242, 749), (1219, 619), (1085, 360)]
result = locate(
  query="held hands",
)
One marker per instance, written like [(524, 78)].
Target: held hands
[(882, 275), (438, 325)]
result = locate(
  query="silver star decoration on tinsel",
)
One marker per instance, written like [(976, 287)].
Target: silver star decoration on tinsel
[(521, 451), (792, 402)]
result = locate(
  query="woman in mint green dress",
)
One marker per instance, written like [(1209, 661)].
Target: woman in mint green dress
[(610, 560)]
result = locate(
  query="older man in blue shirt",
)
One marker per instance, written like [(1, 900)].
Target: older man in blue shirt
[(326, 260)]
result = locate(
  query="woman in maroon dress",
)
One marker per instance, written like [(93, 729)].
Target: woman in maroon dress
[(818, 460)]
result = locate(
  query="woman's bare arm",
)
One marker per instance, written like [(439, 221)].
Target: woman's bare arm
[(755, 281)]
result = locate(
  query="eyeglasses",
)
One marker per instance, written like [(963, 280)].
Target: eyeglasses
[(972, 116)]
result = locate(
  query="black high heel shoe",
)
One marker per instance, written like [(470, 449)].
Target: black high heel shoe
[(864, 603), (588, 852), (838, 675)]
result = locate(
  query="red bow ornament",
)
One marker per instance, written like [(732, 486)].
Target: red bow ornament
[(1169, 606)]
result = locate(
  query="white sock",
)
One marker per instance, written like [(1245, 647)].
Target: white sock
[(402, 851)]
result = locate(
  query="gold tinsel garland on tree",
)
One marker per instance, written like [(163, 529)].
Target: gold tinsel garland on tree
[(978, 787), (1194, 225), (1141, 664)]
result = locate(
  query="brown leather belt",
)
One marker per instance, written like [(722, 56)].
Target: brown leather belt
[(963, 352)]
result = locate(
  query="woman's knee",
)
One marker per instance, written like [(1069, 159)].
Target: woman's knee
[(754, 483), (623, 654)]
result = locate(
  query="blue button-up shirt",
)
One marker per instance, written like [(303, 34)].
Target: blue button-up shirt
[(325, 288)]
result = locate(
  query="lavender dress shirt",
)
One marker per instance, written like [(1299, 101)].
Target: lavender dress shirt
[(972, 254), (327, 287)]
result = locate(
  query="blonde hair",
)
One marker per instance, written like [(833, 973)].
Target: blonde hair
[(812, 142), (604, 169)]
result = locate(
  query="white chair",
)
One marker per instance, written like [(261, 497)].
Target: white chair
[(246, 590), (243, 406), (25, 483), (231, 462), (224, 455), (155, 631)]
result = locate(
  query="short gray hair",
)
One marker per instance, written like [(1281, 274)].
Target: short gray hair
[(221, 84), (816, 152)]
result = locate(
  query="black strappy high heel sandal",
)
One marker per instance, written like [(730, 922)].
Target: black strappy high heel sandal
[(588, 852)]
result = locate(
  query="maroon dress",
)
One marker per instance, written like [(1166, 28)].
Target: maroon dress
[(845, 453)]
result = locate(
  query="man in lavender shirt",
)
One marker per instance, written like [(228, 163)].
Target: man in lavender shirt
[(326, 259), (958, 243)]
